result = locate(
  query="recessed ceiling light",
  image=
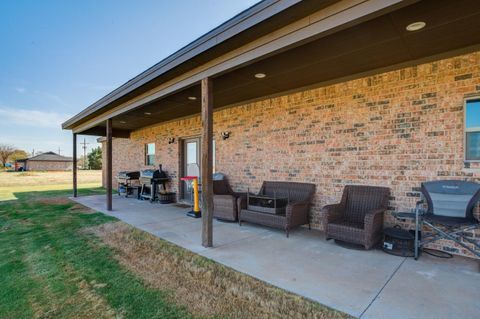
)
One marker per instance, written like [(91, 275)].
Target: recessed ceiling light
[(415, 26), (147, 113), (123, 122), (192, 98), (260, 75)]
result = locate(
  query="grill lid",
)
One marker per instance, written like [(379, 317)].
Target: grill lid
[(128, 175), (154, 174)]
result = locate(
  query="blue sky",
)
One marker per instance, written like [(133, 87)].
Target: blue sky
[(58, 57)]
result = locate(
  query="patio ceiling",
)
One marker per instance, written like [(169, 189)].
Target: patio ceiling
[(379, 44)]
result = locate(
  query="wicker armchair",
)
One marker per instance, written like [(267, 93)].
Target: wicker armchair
[(224, 199), (358, 218), (296, 213)]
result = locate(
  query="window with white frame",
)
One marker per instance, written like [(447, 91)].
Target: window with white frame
[(150, 154), (472, 129)]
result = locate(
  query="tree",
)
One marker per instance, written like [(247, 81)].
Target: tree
[(5, 152), (82, 163), (18, 154), (95, 158)]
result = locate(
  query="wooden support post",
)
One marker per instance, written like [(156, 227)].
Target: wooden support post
[(206, 162), (74, 167), (109, 164)]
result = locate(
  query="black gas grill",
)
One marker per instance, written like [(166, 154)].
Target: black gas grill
[(150, 180), (127, 182)]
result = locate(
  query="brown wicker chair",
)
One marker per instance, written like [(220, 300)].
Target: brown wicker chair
[(358, 218), (297, 211), (224, 199)]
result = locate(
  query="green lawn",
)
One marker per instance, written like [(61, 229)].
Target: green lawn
[(58, 259), (49, 268)]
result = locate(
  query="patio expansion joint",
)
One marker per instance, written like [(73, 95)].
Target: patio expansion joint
[(383, 287)]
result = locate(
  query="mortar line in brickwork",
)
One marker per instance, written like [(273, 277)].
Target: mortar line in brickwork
[(383, 287)]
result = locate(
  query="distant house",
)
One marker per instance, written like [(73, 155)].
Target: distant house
[(48, 161)]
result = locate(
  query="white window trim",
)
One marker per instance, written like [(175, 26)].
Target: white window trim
[(467, 130)]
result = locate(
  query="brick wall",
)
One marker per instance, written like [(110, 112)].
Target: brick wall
[(48, 166), (394, 129)]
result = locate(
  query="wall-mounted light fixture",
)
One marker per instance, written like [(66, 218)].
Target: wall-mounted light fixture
[(225, 135), (171, 140)]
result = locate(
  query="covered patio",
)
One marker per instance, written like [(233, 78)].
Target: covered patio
[(365, 284), (293, 51), (331, 93)]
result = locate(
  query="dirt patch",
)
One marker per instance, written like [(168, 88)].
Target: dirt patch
[(55, 201), (92, 304), (76, 208), (86, 301), (206, 288)]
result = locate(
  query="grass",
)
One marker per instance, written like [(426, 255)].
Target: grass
[(59, 259), (12, 183), (49, 178), (49, 268), (204, 287)]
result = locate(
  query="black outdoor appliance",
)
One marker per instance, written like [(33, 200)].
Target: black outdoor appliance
[(150, 180), (127, 182)]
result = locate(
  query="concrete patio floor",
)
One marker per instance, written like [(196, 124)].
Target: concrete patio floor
[(365, 284)]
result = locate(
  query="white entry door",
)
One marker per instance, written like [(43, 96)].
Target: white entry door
[(191, 163)]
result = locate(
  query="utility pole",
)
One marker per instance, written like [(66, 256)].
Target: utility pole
[(84, 146), (59, 150)]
